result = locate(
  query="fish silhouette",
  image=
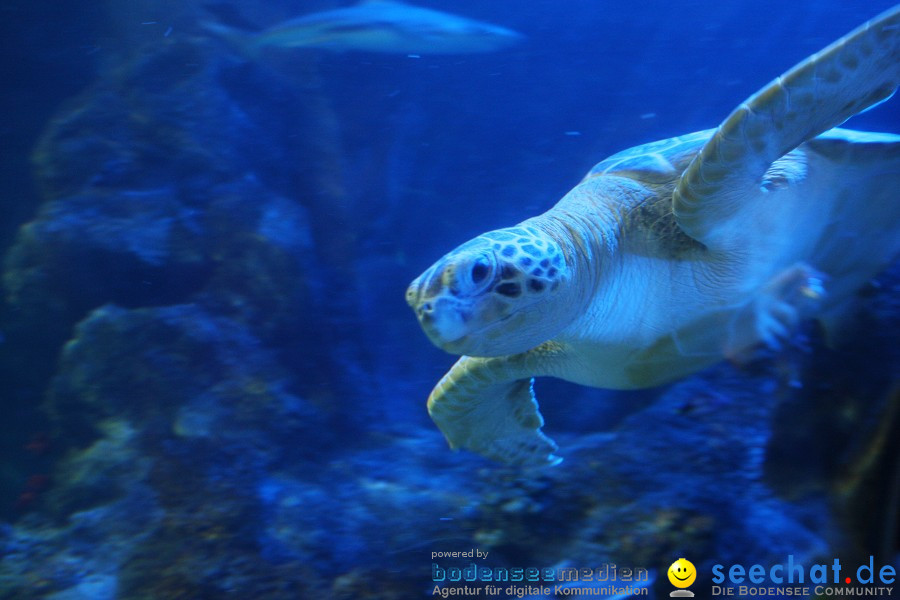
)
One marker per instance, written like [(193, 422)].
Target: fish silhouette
[(384, 26)]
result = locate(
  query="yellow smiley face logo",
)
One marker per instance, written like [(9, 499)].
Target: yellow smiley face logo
[(682, 573)]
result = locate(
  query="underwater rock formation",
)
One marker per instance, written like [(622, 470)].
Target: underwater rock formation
[(165, 183), (185, 441), (175, 253)]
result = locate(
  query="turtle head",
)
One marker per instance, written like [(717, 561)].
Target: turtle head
[(494, 295)]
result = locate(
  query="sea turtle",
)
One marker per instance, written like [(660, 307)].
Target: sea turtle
[(668, 256)]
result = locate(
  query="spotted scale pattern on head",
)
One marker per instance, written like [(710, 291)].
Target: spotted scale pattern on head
[(530, 264), (484, 297)]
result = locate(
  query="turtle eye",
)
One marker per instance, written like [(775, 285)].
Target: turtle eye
[(480, 270)]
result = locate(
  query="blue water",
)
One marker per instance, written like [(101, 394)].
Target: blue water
[(213, 388)]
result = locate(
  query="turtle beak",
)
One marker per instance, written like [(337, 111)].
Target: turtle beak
[(423, 290), (414, 293), (415, 298), (440, 316)]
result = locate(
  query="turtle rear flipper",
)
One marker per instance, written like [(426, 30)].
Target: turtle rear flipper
[(481, 406), (772, 317), (852, 74)]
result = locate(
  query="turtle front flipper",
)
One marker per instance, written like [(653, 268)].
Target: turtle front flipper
[(487, 405), (852, 74)]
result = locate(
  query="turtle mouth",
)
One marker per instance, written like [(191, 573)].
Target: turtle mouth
[(480, 329), (467, 342)]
